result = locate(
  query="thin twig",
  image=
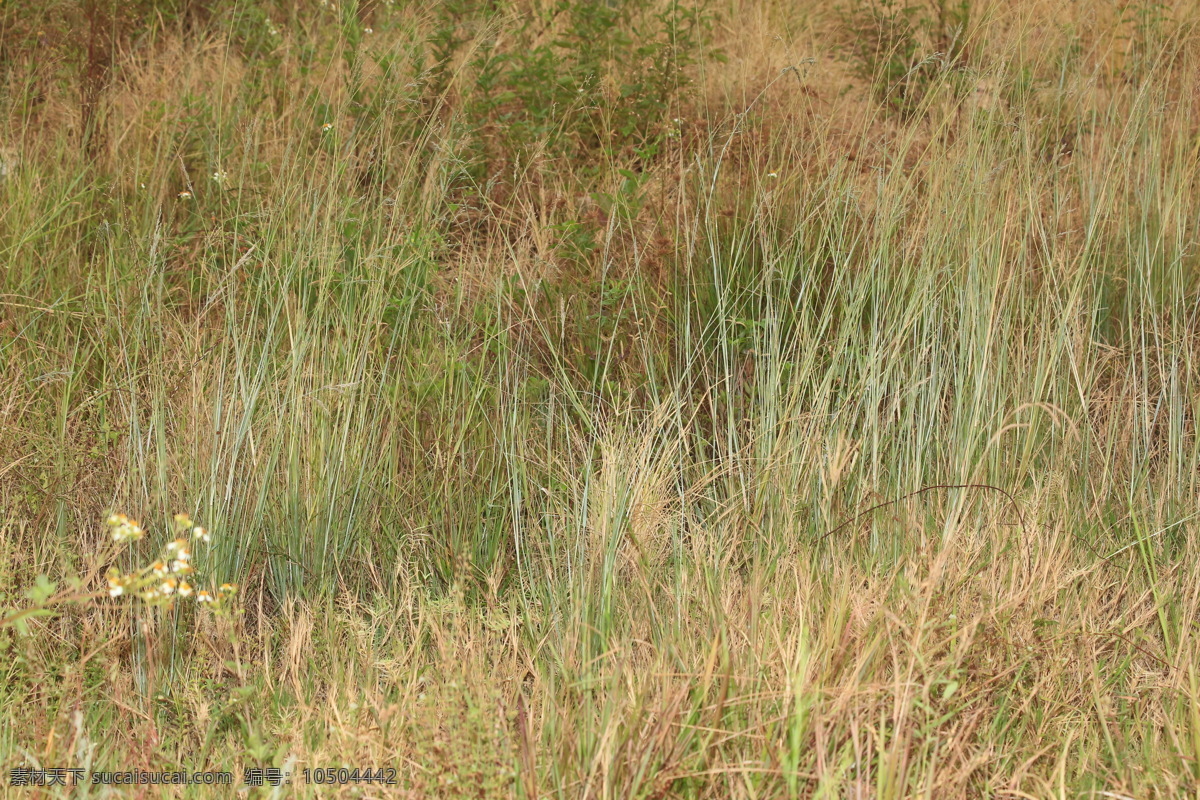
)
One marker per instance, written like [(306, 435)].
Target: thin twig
[(1012, 500)]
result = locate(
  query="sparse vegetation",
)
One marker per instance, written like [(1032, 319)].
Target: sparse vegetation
[(606, 400)]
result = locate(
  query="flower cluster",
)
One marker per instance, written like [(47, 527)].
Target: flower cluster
[(171, 575), (123, 528)]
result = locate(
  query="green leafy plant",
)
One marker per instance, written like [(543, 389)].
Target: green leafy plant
[(901, 48), (583, 80)]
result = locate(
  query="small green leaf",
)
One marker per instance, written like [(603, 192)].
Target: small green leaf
[(42, 590)]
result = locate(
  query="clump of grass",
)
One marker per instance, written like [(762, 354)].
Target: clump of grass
[(826, 448)]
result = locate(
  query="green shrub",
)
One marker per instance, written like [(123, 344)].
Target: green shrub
[(902, 48), (584, 80)]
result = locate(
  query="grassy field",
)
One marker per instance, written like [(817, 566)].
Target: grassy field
[(604, 400)]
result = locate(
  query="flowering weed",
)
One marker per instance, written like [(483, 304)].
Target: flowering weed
[(157, 583)]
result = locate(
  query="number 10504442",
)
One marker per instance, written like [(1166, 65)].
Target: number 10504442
[(344, 775)]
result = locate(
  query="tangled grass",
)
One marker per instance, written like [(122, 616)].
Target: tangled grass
[(656, 400)]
